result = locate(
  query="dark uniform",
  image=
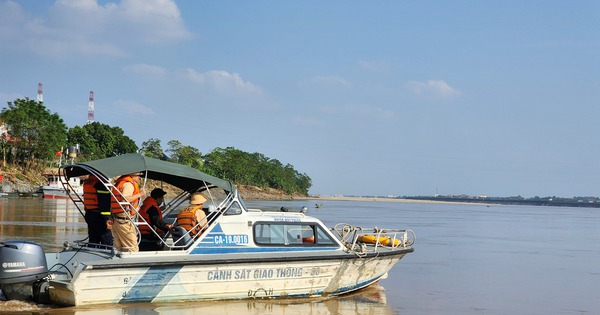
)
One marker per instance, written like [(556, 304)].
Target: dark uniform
[(97, 211)]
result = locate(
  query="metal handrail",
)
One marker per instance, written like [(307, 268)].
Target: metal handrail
[(358, 240)]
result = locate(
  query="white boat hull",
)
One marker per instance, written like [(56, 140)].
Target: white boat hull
[(54, 193), (307, 278)]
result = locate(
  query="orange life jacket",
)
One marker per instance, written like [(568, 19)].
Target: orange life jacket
[(90, 196), (187, 219), (91, 200), (115, 207), (146, 205)]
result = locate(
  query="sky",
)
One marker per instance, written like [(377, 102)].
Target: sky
[(403, 98)]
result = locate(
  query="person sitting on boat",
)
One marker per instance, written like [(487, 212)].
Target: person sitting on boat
[(193, 218), (123, 230), (151, 213), (96, 200)]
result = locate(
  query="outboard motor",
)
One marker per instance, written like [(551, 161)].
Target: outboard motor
[(22, 265)]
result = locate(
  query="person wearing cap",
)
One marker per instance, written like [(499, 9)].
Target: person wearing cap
[(151, 213), (193, 218), (123, 229)]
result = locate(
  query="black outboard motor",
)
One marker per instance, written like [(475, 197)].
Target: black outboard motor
[(22, 264)]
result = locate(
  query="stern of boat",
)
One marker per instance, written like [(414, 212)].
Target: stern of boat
[(62, 293), (67, 267)]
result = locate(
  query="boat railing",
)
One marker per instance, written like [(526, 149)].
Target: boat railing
[(184, 240), (61, 180), (70, 190), (178, 240), (362, 241), (114, 193)]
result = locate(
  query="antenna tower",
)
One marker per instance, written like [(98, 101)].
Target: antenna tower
[(91, 108), (40, 95)]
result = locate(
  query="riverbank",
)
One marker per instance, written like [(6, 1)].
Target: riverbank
[(256, 193), (19, 181), (380, 199)]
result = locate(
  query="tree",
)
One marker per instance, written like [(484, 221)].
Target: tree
[(255, 169), (97, 141), (185, 154), (35, 134), (152, 148)]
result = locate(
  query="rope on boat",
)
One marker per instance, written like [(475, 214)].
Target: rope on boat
[(359, 242), (348, 234)]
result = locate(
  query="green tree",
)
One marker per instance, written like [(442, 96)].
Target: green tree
[(152, 148), (255, 169), (34, 133), (97, 141), (214, 163), (185, 154)]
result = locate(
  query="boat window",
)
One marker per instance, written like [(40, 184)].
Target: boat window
[(243, 204), (324, 237), (291, 234), (234, 209)]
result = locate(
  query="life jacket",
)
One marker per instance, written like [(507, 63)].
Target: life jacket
[(146, 205), (187, 219), (117, 193), (91, 195)]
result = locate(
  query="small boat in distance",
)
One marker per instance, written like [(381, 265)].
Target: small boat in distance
[(242, 253), (57, 186)]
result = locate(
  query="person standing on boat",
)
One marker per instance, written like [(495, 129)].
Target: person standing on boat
[(193, 214), (151, 213), (96, 200), (123, 229)]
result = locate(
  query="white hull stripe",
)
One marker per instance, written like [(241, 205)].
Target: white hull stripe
[(227, 250), (150, 284)]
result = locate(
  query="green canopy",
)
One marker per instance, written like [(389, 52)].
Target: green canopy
[(181, 176)]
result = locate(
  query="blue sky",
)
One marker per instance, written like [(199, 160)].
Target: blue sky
[(366, 97)]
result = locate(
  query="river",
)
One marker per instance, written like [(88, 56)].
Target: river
[(468, 259)]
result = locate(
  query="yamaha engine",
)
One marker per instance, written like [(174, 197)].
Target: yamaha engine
[(22, 270)]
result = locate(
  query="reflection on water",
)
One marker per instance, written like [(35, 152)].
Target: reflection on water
[(368, 301), (46, 221)]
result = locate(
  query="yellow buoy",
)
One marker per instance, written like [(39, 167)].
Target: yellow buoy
[(383, 240)]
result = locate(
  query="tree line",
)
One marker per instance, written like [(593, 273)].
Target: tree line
[(33, 136)]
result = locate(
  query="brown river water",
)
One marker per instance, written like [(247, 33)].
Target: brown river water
[(468, 259)]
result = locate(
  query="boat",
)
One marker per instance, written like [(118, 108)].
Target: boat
[(244, 253), (58, 185)]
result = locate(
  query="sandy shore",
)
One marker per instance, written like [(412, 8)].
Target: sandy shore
[(255, 193), (337, 198)]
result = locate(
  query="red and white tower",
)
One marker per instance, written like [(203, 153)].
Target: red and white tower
[(40, 95), (91, 108)]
